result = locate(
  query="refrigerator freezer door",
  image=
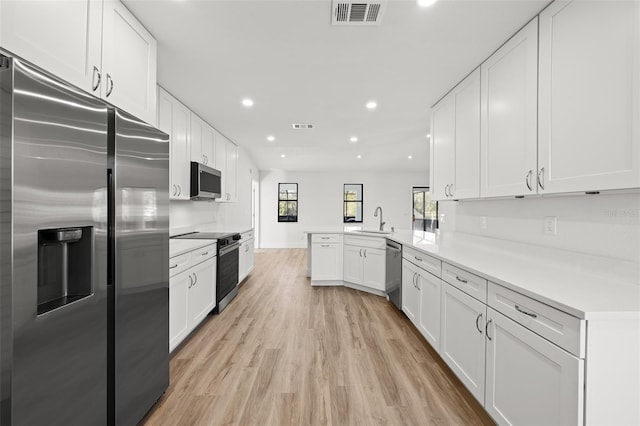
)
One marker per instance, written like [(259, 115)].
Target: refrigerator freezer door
[(59, 374), (140, 297)]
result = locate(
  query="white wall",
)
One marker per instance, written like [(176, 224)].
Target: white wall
[(187, 215), (320, 202), (603, 225)]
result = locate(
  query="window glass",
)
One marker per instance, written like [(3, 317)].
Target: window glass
[(425, 212), (352, 203), (287, 202)]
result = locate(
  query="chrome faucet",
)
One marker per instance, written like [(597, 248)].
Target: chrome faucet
[(375, 214)]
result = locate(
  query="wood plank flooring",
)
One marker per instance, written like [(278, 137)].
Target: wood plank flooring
[(286, 353)]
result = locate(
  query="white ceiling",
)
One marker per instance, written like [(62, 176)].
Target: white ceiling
[(298, 68)]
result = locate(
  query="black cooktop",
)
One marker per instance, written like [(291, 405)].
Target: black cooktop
[(220, 236)]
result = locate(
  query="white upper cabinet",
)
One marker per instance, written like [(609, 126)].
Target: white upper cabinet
[(128, 62), (509, 83), (98, 46), (455, 147), (174, 119), (589, 108), (201, 141), (208, 144), (231, 182), (63, 37)]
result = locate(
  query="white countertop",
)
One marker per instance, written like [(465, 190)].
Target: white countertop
[(582, 285)]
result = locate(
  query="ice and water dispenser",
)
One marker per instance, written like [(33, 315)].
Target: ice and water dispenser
[(64, 266)]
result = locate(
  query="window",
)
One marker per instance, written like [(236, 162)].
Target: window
[(287, 202), (425, 212), (352, 210)]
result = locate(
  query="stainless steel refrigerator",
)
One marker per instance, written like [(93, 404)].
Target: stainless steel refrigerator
[(84, 255)]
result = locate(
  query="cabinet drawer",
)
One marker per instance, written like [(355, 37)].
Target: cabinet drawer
[(370, 242), (246, 235), (471, 284), (204, 253), (325, 238), (564, 330), (179, 263), (426, 262)]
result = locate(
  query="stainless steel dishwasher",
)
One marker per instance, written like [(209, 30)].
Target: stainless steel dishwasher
[(393, 278)]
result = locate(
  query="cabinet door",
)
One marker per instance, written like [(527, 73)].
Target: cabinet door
[(353, 264), (529, 379), (202, 294), (207, 145), (509, 91), (251, 255), (325, 262), (243, 261), (589, 108), (462, 342), (374, 268), (442, 148), (410, 292), (430, 299), (196, 128), (128, 63), (466, 172), (173, 119), (231, 168), (178, 306), (220, 146), (62, 37)]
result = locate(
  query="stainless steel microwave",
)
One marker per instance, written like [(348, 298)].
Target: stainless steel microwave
[(206, 182)]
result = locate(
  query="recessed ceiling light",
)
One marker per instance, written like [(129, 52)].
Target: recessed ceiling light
[(358, 156), (353, 139), (372, 105), (271, 138), (282, 155), (426, 3), (410, 157), (247, 102), (428, 135)]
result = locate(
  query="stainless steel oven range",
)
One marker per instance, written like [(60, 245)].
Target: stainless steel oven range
[(227, 264)]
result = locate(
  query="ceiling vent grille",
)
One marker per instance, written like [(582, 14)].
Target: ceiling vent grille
[(298, 126), (359, 12)]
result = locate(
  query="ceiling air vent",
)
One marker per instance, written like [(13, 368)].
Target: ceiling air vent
[(362, 12), (298, 126)]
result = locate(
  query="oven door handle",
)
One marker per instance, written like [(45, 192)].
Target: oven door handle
[(226, 249)]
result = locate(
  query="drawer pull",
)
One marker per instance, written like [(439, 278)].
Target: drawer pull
[(462, 280), (477, 326), (525, 312), (325, 238), (174, 266), (205, 253), (486, 329), (321, 245), (417, 258)]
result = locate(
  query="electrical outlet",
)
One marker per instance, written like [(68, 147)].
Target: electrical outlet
[(483, 222), (442, 218), (550, 225)]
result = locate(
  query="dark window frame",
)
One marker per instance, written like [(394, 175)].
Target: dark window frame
[(346, 219), (426, 225), (288, 218)]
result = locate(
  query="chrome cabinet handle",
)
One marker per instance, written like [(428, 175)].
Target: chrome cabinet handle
[(451, 189), (325, 238), (196, 279), (365, 253), (205, 253), (541, 179), (415, 277), (532, 315), (360, 252), (190, 281), (179, 190), (477, 320), (321, 245), (174, 190), (446, 191), (110, 88), (527, 180), (417, 258), (174, 266), (96, 84), (486, 329), (462, 280)]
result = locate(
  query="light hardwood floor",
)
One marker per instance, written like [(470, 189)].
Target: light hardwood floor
[(286, 353)]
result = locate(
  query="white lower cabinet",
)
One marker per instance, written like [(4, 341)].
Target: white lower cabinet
[(410, 291), (246, 255), (326, 258), (529, 379), (364, 261), (462, 344), (429, 324), (192, 291)]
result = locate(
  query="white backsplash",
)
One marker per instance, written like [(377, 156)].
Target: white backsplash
[(603, 225)]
